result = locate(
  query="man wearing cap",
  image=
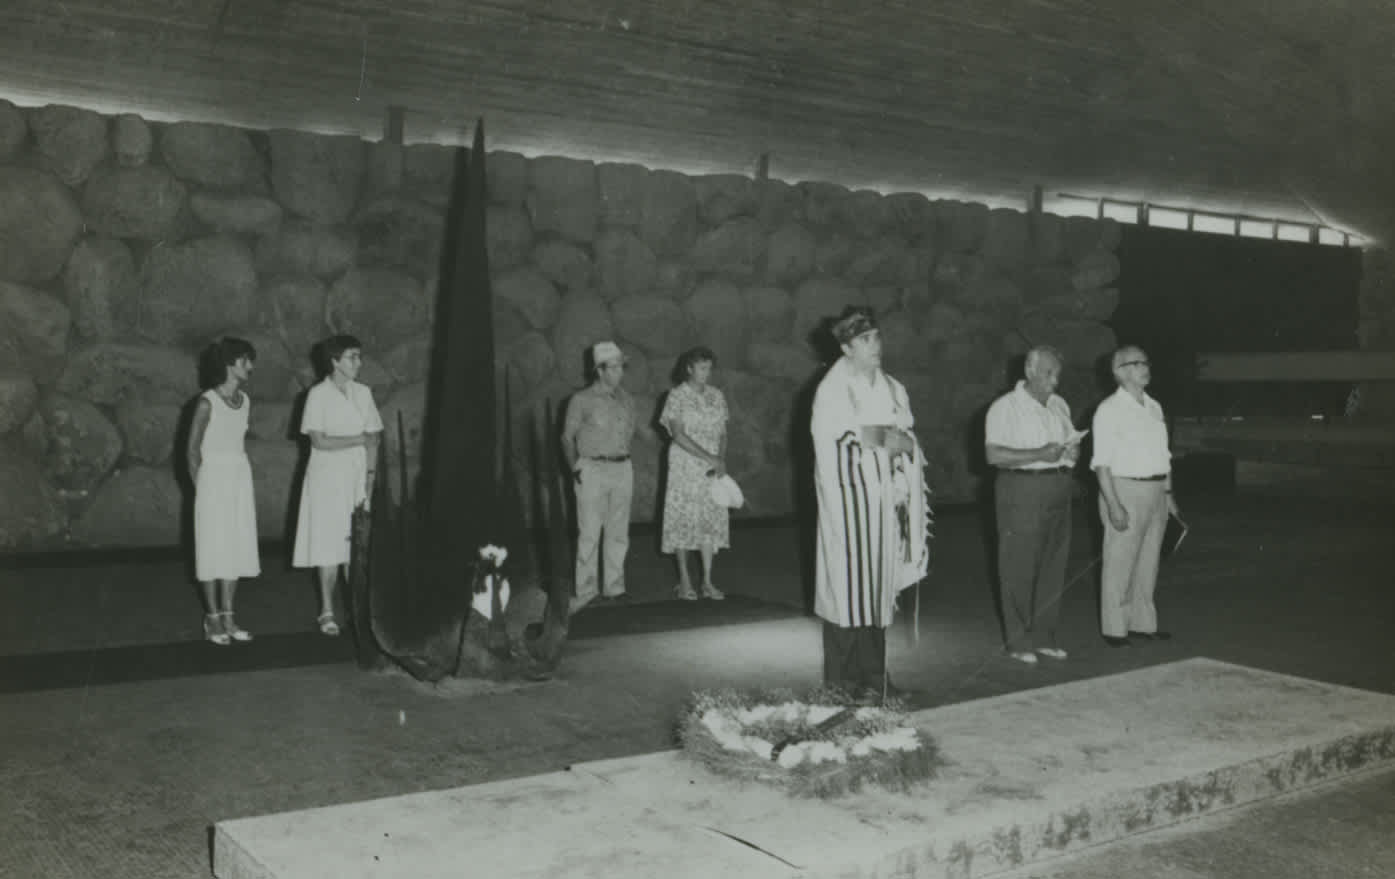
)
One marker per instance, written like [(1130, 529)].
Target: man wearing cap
[(596, 443), (1029, 438), (1134, 468), (873, 513)]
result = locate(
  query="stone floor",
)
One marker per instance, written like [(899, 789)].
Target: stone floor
[(125, 779)]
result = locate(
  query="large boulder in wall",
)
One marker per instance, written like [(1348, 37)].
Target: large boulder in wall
[(510, 236), (1006, 238), (646, 504), (819, 299), (235, 213), (1093, 303), (400, 233), (102, 288), (625, 265), (566, 265), (151, 429), (297, 247), (146, 203), (276, 489), (293, 310), (39, 223), (409, 362), (532, 295), (131, 140), (195, 290), (1081, 342), (137, 506), (110, 374), (790, 254), (33, 332), (779, 203), (622, 193), (792, 361), (316, 176), (823, 202), (69, 141), (1084, 235), (1098, 268), (507, 177), (382, 307), (82, 444), (723, 197), (583, 321), (733, 250), (771, 312), (878, 261), (32, 513), (528, 360), (18, 396), (718, 316), (655, 325), (212, 155), (273, 421), (14, 130), (564, 197), (274, 377), (669, 218)]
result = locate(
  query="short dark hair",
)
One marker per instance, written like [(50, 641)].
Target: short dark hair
[(215, 359), (335, 346), (692, 357)]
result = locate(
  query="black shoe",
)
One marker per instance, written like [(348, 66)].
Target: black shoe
[(1152, 636), (1116, 642)]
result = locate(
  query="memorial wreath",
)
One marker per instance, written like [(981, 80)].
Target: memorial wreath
[(824, 745)]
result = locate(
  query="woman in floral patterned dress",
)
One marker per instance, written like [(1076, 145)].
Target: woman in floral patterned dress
[(695, 416)]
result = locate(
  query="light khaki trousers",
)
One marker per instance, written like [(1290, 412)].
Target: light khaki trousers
[(602, 509), (1130, 562)]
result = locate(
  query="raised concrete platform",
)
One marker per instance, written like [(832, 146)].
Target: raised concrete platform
[(1032, 775)]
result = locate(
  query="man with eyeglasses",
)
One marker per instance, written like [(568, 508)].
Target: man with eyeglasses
[(1134, 468), (596, 438)]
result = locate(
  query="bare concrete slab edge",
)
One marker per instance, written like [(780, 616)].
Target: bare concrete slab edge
[(1035, 775)]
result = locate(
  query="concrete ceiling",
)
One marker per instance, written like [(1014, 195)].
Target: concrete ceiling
[(1275, 108)]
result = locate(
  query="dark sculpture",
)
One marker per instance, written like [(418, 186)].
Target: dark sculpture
[(416, 564)]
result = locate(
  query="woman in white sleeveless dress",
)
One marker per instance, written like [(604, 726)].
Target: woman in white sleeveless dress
[(225, 512), (343, 425)]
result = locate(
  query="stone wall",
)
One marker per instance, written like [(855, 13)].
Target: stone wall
[(126, 245)]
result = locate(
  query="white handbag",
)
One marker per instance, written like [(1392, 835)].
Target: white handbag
[(725, 492)]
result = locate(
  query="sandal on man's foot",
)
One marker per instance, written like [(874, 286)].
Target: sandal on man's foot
[(327, 624), (213, 630), (235, 632)]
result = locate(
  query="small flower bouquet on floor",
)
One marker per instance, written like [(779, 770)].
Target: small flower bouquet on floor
[(490, 587), (824, 745)]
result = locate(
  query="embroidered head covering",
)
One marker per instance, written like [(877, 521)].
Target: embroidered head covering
[(853, 322)]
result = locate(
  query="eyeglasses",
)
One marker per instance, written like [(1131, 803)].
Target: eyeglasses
[(1133, 363)]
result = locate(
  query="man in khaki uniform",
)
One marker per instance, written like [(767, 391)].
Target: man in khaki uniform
[(596, 442)]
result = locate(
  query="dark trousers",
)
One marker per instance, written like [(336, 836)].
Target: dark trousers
[(854, 658), (1033, 546)]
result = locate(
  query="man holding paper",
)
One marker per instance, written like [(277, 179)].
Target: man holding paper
[(1134, 468), (1029, 438)]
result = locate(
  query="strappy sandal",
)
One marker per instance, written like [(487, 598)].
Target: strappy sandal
[(712, 593), (684, 593), (234, 631), (213, 630), (327, 624)]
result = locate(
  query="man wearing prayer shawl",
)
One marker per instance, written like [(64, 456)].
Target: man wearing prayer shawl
[(873, 512)]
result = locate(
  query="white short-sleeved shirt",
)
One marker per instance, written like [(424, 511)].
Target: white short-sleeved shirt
[(1131, 437), (1017, 421)]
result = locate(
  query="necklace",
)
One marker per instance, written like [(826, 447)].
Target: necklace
[(234, 401)]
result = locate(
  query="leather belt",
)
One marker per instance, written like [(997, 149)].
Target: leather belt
[(1037, 471), (1159, 478), (614, 459)]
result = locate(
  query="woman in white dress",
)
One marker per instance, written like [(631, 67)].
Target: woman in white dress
[(343, 425), (225, 512)]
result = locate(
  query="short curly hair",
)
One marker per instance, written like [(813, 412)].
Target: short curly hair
[(692, 357)]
